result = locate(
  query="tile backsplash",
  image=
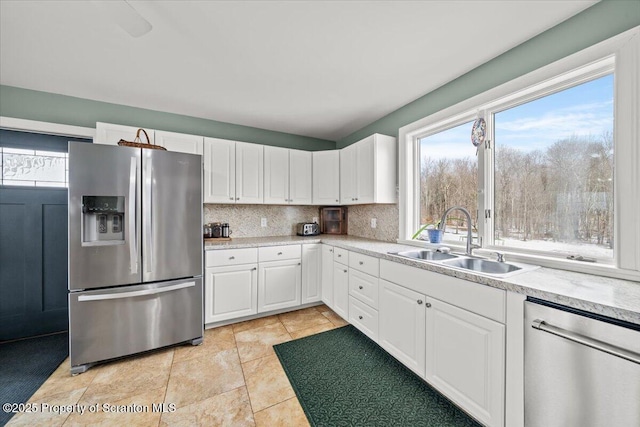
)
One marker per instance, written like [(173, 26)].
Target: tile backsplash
[(386, 217), (244, 220)]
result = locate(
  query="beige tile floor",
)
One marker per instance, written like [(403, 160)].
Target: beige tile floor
[(233, 379)]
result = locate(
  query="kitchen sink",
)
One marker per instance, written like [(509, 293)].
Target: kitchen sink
[(427, 255), (486, 266)]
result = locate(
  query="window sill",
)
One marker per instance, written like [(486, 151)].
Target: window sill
[(543, 261)]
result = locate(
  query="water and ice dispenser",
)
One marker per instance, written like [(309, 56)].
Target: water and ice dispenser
[(103, 220)]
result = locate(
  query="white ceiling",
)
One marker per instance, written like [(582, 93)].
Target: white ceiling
[(317, 68)]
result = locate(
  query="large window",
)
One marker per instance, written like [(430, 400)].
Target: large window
[(553, 172)]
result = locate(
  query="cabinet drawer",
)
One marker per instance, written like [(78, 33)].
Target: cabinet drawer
[(221, 258), (341, 255), (365, 263), (277, 253), (364, 318), (363, 287)]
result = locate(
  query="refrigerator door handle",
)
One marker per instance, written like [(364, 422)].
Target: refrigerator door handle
[(133, 243), (118, 295), (148, 207)]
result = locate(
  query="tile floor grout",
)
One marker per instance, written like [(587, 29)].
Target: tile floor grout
[(203, 390)]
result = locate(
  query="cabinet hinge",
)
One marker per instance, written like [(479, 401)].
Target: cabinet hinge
[(487, 144), (487, 213)]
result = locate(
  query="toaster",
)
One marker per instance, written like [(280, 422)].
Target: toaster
[(307, 229)]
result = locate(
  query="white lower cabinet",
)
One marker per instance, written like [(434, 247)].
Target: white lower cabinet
[(230, 292), (341, 290), (311, 272), (402, 325), (279, 284), (364, 318), (326, 276), (465, 360)]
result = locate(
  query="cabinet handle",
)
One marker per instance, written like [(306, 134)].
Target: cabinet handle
[(230, 198), (279, 253), (419, 301), (360, 317), (361, 263), (232, 257), (254, 268), (344, 271), (298, 263), (356, 198), (339, 255), (428, 305), (237, 198), (336, 200), (359, 287), (330, 250)]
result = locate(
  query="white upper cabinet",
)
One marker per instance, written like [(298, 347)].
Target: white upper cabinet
[(300, 168), (276, 175), (326, 177), (368, 171), (219, 171), (232, 172), (348, 175), (287, 176), (107, 133), (180, 142), (249, 173)]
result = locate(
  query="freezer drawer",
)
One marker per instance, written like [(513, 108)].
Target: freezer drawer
[(580, 370), (109, 323)]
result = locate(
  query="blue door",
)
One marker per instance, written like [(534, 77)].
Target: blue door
[(33, 235)]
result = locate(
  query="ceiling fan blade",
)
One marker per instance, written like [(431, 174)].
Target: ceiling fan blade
[(127, 18)]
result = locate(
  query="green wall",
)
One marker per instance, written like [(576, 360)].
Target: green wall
[(595, 24), (50, 107)]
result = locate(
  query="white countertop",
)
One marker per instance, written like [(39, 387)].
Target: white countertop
[(616, 298)]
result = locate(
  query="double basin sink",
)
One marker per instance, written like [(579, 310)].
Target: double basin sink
[(467, 263)]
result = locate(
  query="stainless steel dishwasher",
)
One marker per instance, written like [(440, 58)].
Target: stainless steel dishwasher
[(581, 369)]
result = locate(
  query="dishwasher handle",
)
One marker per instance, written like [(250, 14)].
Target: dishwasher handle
[(541, 325)]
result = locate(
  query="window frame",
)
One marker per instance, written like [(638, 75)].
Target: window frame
[(621, 55)]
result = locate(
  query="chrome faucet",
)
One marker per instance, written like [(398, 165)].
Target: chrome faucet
[(443, 224)]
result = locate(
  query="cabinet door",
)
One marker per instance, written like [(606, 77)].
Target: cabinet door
[(326, 177), (107, 133), (341, 290), (365, 171), (465, 360), (219, 171), (279, 285), (180, 142), (348, 175), (402, 325), (230, 292), (327, 275), (300, 173), (276, 175), (249, 173), (311, 266)]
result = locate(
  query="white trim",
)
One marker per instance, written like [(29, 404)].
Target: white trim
[(12, 123), (587, 64)]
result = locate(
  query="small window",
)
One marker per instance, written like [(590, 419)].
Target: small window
[(449, 177), (34, 168), (553, 172)]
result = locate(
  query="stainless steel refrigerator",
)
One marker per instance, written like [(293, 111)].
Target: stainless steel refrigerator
[(135, 251)]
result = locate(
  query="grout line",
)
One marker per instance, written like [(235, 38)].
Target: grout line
[(166, 388)]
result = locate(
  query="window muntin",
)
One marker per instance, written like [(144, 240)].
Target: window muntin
[(33, 168), (449, 177), (553, 172)]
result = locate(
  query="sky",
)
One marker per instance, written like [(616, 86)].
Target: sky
[(584, 110)]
